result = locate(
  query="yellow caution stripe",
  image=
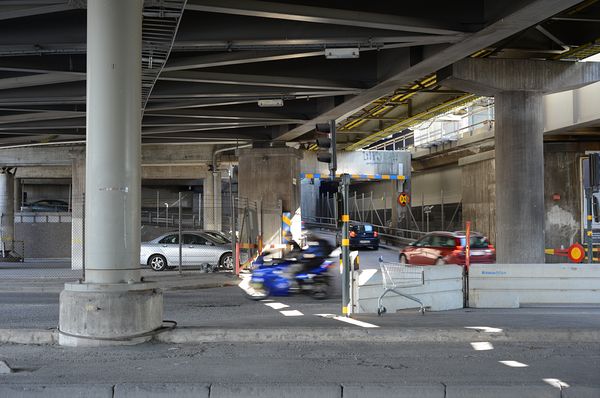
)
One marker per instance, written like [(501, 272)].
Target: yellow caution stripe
[(345, 242)]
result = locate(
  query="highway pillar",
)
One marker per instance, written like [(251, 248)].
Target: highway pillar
[(111, 306), (520, 215), (7, 211), (211, 201), (518, 87), (18, 194)]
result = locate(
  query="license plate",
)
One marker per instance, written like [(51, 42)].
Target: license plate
[(365, 241), (477, 253)]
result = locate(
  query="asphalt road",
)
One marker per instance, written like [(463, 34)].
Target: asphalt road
[(368, 362)]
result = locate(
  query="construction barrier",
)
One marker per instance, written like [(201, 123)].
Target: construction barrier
[(513, 285)]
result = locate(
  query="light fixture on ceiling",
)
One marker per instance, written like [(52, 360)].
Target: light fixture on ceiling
[(341, 53), (270, 103)]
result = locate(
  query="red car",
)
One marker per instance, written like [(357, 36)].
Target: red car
[(438, 248)]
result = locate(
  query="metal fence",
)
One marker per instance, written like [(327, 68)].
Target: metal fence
[(410, 224)]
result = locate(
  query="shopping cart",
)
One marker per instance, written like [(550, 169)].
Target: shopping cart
[(396, 276)]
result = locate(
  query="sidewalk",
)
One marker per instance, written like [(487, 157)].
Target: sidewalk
[(49, 276)]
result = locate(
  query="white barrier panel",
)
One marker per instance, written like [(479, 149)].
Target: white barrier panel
[(442, 290), (512, 285)]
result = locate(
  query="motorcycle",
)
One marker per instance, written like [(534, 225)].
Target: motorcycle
[(269, 279)]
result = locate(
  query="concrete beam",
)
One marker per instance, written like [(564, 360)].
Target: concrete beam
[(480, 157), (152, 154), (490, 76)]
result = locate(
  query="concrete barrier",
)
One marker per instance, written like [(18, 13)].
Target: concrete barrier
[(442, 290), (513, 285)]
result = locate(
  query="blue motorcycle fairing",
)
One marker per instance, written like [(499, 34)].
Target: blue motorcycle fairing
[(272, 276)]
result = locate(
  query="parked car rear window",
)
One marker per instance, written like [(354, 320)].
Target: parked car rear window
[(443, 241), (477, 242)]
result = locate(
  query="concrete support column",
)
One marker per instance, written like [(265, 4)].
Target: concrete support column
[(18, 194), (519, 177), (113, 153), (217, 201), (208, 202), (7, 211), (77, 212), (112, 307)]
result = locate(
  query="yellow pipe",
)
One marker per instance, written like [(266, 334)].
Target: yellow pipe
[(411, 121)]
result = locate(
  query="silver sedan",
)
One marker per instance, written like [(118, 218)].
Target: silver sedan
[(198, 248)]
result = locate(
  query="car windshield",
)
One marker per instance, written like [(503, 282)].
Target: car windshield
[(477, 242)]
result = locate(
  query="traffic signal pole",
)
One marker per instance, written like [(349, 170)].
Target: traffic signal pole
[(345, 191)]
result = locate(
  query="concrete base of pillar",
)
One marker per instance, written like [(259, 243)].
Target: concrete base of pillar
[(93, 315)]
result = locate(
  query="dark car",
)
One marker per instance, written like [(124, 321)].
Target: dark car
[(46, 205), (437, 248), (361, 236)]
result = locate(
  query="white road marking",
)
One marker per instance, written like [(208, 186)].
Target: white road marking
[(485, 329), (292, 313), (514, 364), (482, 346), (556, 383), (276, 306), (266, 301), (365, 275), (348, 320)]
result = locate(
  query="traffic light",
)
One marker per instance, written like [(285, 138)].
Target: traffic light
[(595, 171), (326, 145)]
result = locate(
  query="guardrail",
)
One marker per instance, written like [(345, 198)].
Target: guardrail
[(389, 234), (42, 217)]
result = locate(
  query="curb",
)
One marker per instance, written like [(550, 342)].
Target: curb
[(197, 335), (292, 390), (57, 287), (193, 335)]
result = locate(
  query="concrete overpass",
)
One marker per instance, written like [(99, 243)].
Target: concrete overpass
[(207, 85)]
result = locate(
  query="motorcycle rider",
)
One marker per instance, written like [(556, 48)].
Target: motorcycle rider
[(317, 250)]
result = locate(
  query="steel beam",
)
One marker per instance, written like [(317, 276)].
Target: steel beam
[(519, 20), (295, 12), (257, 80)]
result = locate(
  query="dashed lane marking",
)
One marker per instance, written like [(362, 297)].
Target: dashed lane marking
[(277, 306), (482, 346), (485, 329), (514, 364), (291, 313), (348, 320), (556, 383)]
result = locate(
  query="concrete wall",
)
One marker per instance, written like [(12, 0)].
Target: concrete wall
[(478, 187), (45, 240), (441, 291), (514, 285)]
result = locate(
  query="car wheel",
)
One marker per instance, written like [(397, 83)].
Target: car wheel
[(376, 247), (440, 261), (226, 261), (157, 262), (403, 259), (320, 290)]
